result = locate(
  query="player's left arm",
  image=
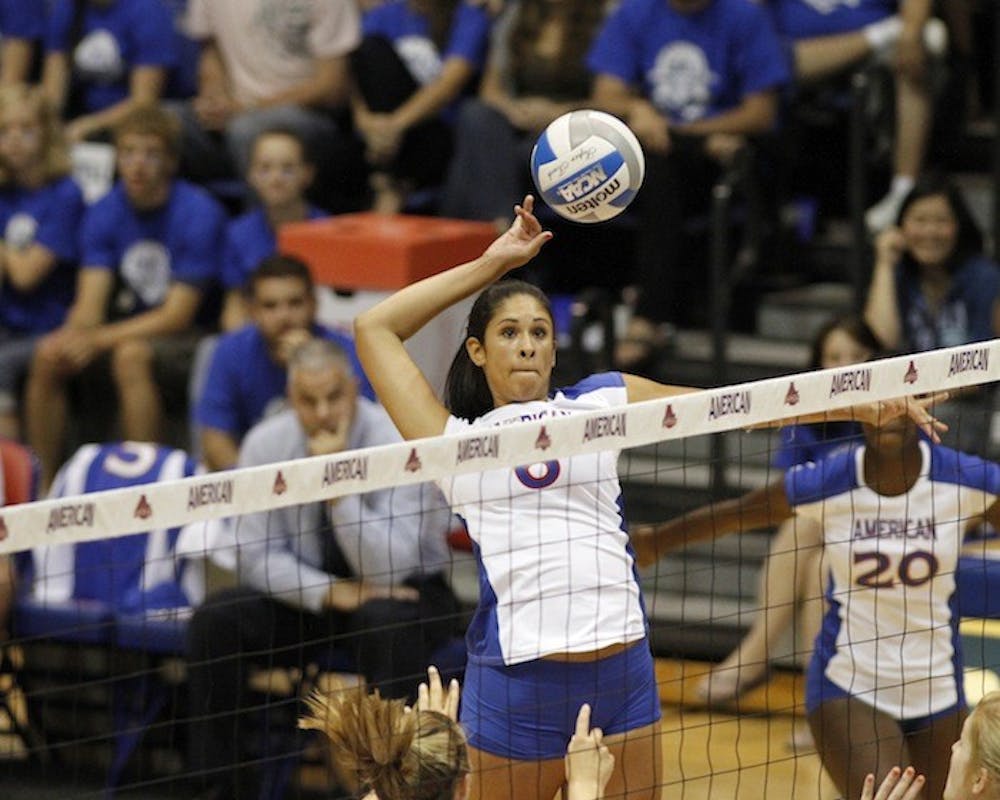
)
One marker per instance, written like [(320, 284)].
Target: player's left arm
[(640, 389), (761, 508)]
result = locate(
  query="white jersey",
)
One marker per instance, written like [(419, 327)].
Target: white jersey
[(556, 571), (890, 635)]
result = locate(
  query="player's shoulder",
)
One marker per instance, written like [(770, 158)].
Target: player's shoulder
[(964, 469), (598, 383), (834, 474)]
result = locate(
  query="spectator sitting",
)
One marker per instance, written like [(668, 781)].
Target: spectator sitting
[(830, 40), (536, 72), (40, 212), (266, 64), (280, 173), (417, 57), (693, 79), (103, 58), (363, 571), (933, 286), (149, 250), (247, 373), (22, 26)]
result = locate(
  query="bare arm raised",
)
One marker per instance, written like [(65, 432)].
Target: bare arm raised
[(380, 332)]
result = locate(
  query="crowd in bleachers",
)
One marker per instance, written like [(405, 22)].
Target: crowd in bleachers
[(226, 119)]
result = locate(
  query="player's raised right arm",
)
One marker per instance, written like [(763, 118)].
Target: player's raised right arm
[(381, 331)]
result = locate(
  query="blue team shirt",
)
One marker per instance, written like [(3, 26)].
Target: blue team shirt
[(400, 23), (50, 217), (804, 19), (22, 19), (691, 66), (243, 381), (180, 241), (966, 315), (114, 40), (249, 240)]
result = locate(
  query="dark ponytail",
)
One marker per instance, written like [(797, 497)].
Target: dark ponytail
[(466, 393)]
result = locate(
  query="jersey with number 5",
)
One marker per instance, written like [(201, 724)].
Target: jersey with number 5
[(556, 572), (890, 634)]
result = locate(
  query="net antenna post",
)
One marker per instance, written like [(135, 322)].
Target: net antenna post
[(719, 298), (857, 184)]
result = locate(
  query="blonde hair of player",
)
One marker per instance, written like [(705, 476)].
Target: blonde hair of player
[(397, 753), (984, 734)]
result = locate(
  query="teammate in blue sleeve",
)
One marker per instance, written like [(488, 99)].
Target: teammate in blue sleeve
[(247, 375), (40, 212), (281, 171), (560, 609), (150, 251), (885, 681)]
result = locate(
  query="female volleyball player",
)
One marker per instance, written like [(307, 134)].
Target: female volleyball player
[(399, 755), (885, 682), (841, 342), (560, 618), (974, 769)]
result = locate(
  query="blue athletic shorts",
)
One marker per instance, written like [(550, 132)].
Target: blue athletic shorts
[(820, 689), (528, 711)]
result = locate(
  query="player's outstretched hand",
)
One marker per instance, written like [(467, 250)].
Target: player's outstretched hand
[(899, 784), (522, 240), (918, 409), (431, 696), (589, 763)]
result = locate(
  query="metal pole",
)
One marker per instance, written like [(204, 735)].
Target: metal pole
[(722, 195), (996, 132), (857, 186)]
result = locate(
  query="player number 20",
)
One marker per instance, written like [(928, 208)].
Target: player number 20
[(914, 569)]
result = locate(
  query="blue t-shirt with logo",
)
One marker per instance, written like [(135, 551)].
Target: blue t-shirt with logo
[(691, 66), (149, 250), (49, 216), (805, 19), (22, 19), (249, 240), (410, 34), (244, 384), (113, 41)]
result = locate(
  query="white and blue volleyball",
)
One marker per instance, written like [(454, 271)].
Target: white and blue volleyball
[(587, 166)]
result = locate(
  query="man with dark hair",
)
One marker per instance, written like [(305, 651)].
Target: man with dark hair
[(149, 251), (246, 376)]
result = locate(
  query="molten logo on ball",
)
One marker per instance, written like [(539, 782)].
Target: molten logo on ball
[(587, 166)]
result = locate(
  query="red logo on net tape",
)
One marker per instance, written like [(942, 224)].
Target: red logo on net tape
[(143, 509), (911, 374), (669, 417), (544, 441), (413, 462), (792, 395), (280, 485)]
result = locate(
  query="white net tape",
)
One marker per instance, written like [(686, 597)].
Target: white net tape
[(176, 503)]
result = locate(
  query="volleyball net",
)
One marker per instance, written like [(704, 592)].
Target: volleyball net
[(102, 672)]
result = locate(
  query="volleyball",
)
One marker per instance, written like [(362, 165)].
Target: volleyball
[(587, 166)]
